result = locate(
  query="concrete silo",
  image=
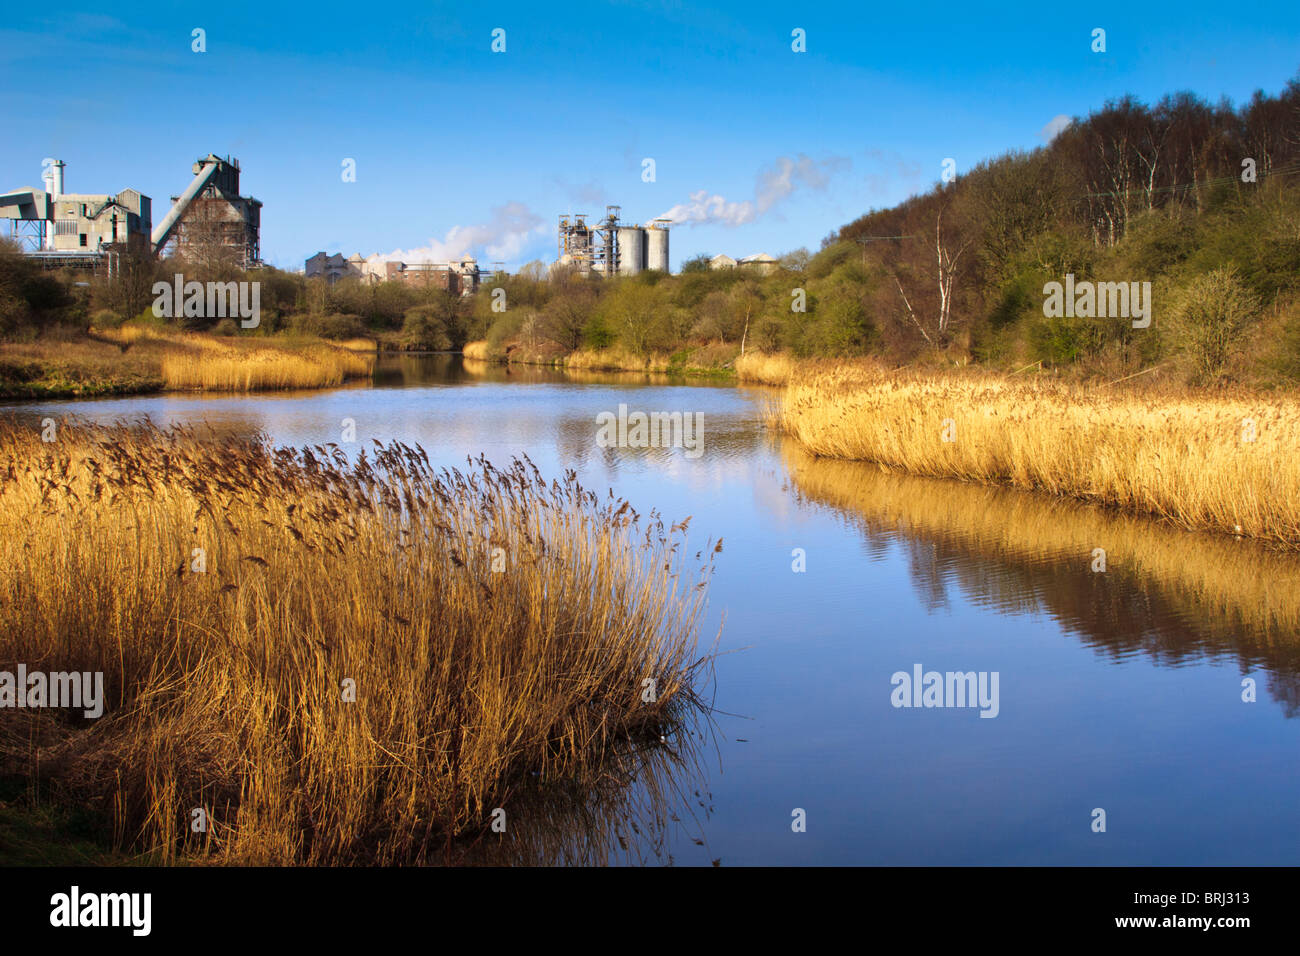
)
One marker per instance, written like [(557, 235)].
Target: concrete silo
[(631, 250), (657, 246)]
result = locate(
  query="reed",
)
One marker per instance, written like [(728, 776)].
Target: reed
[(373, 656), (616, 359), (235, 369), (764, 368), (1204, 461), (360, 345)]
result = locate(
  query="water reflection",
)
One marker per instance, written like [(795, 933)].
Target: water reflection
[(648, 797), (1172, 595)]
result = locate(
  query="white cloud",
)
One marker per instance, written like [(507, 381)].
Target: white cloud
[(1054, 127), (774, 186), (504, 237), (787, 174), (894, 171)]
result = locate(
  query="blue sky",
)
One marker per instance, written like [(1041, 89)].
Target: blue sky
[(461, 149)]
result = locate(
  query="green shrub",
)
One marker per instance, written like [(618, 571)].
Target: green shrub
[(106, 319), (332, 326), (423, 329), (1210, 317)]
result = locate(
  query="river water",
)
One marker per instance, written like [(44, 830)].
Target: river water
[(1118, 690)]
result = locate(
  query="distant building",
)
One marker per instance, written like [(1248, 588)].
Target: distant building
[(460, 277), (761, 262), (332, 268)]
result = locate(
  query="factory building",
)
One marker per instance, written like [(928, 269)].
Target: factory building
[(211, 219), (461, 278), (85, 229), (611, 247), (75, 228)]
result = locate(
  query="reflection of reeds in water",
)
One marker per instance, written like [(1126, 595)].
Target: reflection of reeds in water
[(473, 669), (628, 813), (1165, 591)]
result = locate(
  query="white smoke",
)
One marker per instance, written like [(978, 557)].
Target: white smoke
[(775, 184), (504, 237), (705, 208)]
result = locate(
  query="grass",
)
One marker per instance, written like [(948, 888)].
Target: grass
[(212, 367), (213, 363), (75, 368), (475, 672), (141, 358), (699, 360), (762, 368), (1179, 457)]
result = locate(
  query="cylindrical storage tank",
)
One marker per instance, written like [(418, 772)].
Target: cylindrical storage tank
[(657, 248), (631, 250)]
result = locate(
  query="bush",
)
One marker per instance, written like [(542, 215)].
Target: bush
[(1287, 362), (423, 329), (333, 326), (1211, 318), (106, 319)]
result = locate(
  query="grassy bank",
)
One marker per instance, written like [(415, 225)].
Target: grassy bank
[(1212, 461), (76, 367), (704, 360), (137, 359), (360, 663)]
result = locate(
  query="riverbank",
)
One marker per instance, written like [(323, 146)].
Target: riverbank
[(710, 361), (1212, 461), (135, 360)]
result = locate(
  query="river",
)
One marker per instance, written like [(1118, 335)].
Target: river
[(1125, 689)]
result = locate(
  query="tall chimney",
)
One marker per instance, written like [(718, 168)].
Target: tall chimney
[(54, 179)]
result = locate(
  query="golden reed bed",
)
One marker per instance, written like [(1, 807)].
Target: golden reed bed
[(213, 363), (1201, 461), (338, 662)]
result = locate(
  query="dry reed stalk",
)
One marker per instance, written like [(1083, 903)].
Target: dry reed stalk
[(473, 668), (1205, 462)]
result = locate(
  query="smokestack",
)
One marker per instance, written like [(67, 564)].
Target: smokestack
[(54, 179)]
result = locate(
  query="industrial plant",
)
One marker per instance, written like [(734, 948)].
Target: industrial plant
[(87, 230), (610, 247), (461, 277)]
